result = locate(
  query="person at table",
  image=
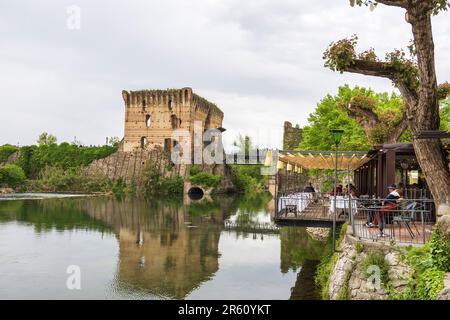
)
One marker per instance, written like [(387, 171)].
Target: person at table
[(338, 190), (309, 188), (390, 203), (354, 192)]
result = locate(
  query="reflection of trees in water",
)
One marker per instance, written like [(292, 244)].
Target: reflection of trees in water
[(300, 252), (51, 214), (305, 287), (165, 248), (298, 246)]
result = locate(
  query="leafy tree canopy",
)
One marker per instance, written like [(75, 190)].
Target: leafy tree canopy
[(339, 112)]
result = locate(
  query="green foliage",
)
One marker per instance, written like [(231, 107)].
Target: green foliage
[(119, 187), (248, 179), (173, 185), (341, 54), (55, 179), (6, 151), (46, 139), (429, 264), (407, 67), (359, 247), (445, 115), (11, 175), (440, 250), (344, 292), (194, 170), (329, 259), (377, 259), (153, 183), (429, 284), (328, 115), (340, 111), (206, 179), (35, 158)]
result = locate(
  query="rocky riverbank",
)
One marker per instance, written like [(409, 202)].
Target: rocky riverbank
[(366, 270)]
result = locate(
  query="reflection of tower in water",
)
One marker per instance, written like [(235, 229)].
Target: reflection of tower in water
[(160, 251)]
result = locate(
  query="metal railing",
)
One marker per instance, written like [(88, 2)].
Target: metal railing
[(315, 204), (405, 221)]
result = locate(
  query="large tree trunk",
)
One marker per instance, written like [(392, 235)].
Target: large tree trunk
[(430, 157), (424, 115)]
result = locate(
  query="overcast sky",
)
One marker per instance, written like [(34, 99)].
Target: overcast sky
[(260, 61)]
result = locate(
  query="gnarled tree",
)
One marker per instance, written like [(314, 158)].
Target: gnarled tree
[(414, 76)]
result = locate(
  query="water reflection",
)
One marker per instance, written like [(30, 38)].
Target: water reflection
[(170, 249)]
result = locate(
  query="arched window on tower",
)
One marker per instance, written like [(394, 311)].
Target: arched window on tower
[(174, 121), (143, 105), (148, 120), (170, 105), (143, 142)]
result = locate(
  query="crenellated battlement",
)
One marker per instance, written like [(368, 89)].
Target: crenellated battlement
[(183, 96), (156, 97)]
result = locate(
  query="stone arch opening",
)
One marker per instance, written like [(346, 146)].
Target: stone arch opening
[(174, 121), (143, 142), (148, 120), (196, 193), (170, 105)]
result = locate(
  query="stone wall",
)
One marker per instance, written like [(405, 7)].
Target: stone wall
[(348, 270), (129, 167), (291, 136)]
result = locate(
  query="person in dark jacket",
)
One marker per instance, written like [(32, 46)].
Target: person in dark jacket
[(309, 188)]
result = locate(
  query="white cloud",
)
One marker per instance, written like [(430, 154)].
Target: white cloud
[(259, 60)]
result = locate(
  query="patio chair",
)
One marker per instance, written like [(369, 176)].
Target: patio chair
[(291, 208), (408, 217)]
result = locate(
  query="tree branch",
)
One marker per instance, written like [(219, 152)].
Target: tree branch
[(372, 68), (394, 3), (384, 70), (399, 129)]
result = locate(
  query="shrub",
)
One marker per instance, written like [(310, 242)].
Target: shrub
[(377, 259), (194, 170), (11, 175), (248, 179), (5, 151), (74, 180), (206, 179), (440, 250), (173, 185)]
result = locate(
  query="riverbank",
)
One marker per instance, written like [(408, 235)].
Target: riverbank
[(363, 270)]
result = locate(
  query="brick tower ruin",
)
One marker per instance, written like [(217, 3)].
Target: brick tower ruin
[(151, 116)]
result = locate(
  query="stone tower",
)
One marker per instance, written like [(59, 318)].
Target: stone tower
[(151, 116), (292, 136)]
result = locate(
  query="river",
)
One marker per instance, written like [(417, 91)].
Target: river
[(129, 248)]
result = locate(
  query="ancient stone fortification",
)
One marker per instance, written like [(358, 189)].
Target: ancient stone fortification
[(129, 166), (152, 116), (292, 136), (151, 120)]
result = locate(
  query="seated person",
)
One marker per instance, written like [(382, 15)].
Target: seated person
[(391, 202), (338, 190), (309, 188)]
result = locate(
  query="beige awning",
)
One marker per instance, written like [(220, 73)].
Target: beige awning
[(324, 160)]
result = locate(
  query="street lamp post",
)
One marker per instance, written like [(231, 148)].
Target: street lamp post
[(337, 136)]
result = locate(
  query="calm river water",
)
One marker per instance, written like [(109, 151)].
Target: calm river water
[(132, 248)]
